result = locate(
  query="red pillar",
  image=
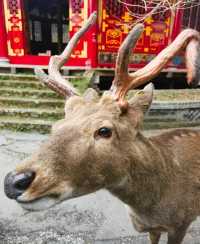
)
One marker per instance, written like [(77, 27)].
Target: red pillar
[(93, 52), (3, 36)]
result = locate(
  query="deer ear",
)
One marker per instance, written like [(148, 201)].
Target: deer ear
[(142, 99), (72, 104), (139, 104), (90, 95)]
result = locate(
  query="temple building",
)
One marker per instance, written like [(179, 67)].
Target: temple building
[(33, 30)]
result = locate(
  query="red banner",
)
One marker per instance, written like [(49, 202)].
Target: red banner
[(116, 20)]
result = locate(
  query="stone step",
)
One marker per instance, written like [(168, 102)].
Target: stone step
[(44, 126), (28, 105), (27, 102), (28, 92), (22, 84), (30, 77), (21, 124), (46, 114), (149, 125)]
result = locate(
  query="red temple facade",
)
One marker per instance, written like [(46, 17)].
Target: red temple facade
[(33, 30)]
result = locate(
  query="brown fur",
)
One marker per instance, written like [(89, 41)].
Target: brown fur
[(157, 177)]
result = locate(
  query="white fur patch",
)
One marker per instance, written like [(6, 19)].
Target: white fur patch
[(44, 202), (129, 209), (39, 204)]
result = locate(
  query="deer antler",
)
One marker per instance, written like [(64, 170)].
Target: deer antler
[(124, 81), (54, 79)]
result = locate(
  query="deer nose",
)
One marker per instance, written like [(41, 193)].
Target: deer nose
[(16, 184)]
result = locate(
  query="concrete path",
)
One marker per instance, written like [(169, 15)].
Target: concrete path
[(98, 218)]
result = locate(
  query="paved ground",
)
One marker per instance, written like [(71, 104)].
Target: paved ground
[(97, 218)]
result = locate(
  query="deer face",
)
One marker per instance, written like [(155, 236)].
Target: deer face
[(82, 155)]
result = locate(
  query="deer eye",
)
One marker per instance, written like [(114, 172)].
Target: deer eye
[(104, 132)]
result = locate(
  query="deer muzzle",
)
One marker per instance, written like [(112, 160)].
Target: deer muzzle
[(16, 184)]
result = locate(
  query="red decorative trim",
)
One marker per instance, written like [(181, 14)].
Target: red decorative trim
[(3, 34), (14, 27), (177, 23)]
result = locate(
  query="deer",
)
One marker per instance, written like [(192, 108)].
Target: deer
[(99, 144)]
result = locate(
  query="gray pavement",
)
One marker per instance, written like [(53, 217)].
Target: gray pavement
[(98, 218)]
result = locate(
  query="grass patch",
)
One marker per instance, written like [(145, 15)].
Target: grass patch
[(80, 84)]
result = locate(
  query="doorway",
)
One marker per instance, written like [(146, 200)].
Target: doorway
[(47, 26)]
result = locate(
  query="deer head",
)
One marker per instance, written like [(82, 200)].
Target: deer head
[(91, 148)]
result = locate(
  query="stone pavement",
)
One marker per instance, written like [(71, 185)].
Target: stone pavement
[(98, 218)]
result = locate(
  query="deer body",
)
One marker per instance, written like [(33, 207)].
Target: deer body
[(99, 144), (162, 186)]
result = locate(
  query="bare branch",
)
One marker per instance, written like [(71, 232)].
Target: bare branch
[(145, 8)]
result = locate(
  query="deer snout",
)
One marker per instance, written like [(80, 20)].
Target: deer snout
[(16, 184)]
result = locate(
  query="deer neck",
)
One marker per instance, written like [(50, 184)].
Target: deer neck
[(145, 179)]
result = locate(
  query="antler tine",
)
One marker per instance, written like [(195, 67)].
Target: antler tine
[(189, 38), (55, 80), (192, 57), (185, 38), (122, 61)]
